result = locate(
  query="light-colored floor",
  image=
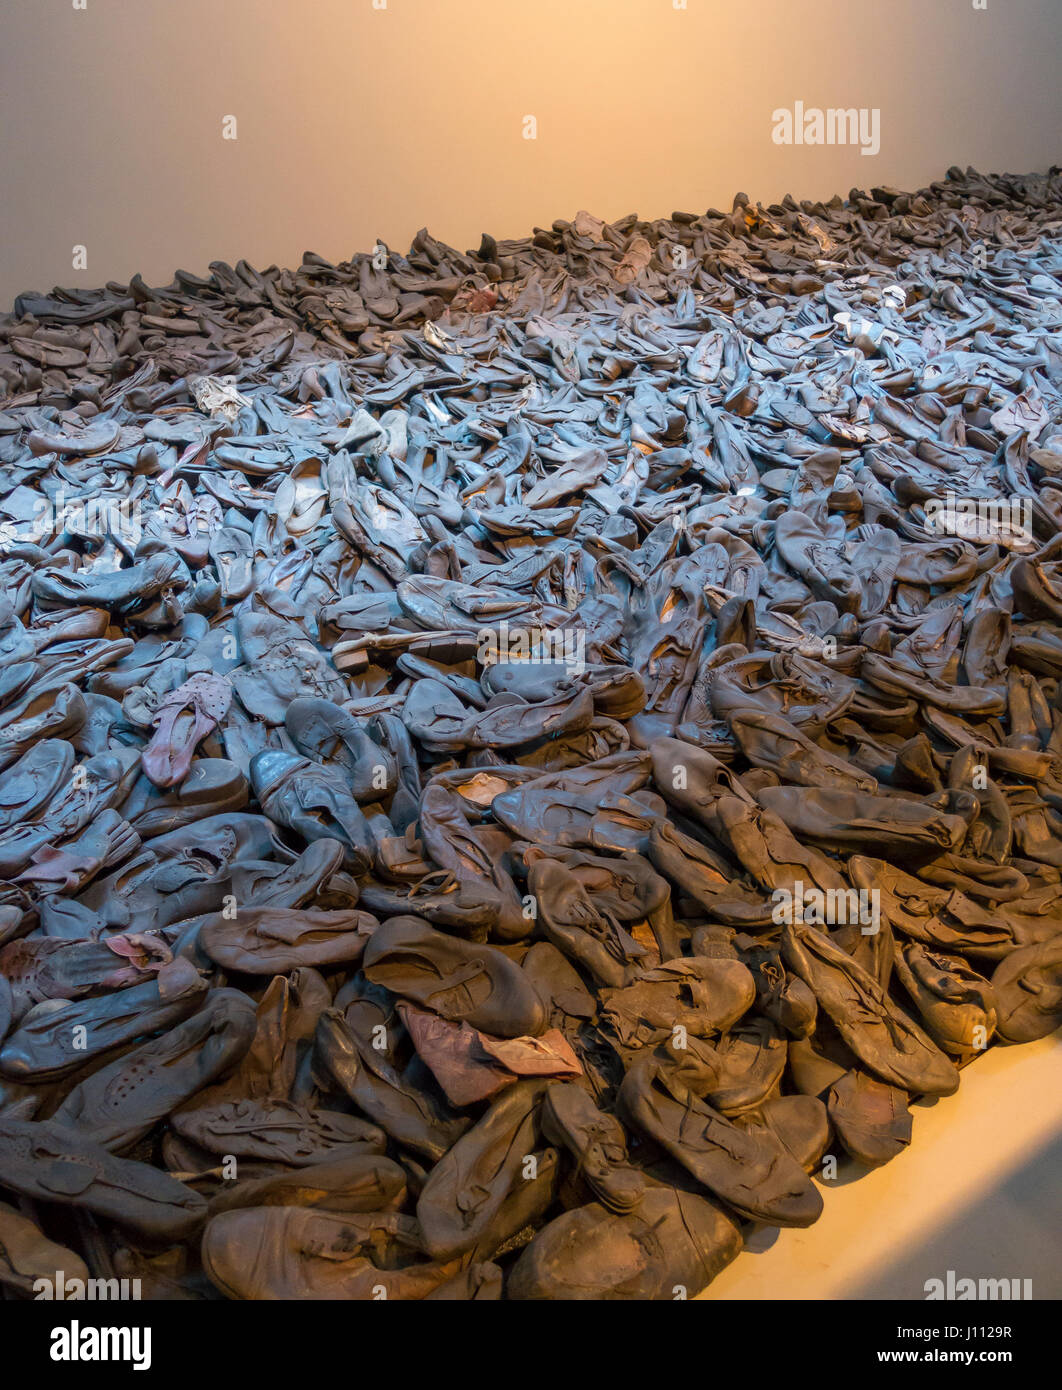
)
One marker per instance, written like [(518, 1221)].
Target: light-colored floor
[(979, 1191)]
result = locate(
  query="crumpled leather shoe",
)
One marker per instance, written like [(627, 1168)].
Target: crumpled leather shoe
[(467, 1187), (323, 731), (597, 1143), (182, 720), (735, 1072), (345, 1050), (48, 1044), (801, 1124), (313, 801), (212, 787), (770, 741), (872, 1119), (852, 821), (365, 1182), (276, 1131), (50, 1162), (569, 918), (753, 1174), (954, 1001), (26, 1255), (274, 940), (780, 995), (119, 1103), (941, 918), (881, 1035), (701, 995), (1027, 987), (459, 980), (282, 1253), (673, 1240)]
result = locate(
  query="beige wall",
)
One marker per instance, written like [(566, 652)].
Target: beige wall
[(355, 122)]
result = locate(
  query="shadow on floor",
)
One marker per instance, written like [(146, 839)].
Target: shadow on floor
[(1011, 1232)]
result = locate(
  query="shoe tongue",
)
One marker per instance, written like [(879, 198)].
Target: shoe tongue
[(625, 946)]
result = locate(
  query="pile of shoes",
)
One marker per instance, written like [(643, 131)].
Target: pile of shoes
[(508, 759)]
